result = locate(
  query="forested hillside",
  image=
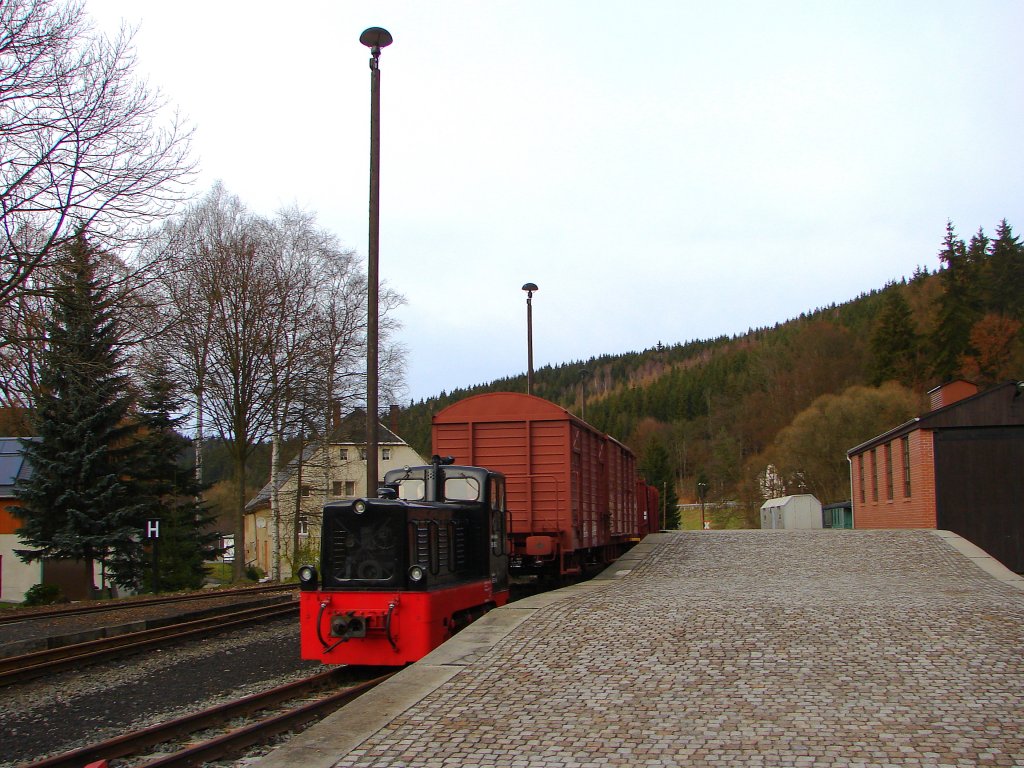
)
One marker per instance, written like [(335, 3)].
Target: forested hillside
[(774, 410)]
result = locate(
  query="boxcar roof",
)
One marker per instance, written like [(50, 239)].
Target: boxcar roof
[(510, 406)]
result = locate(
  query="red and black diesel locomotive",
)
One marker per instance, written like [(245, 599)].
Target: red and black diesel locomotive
[(399, 575)]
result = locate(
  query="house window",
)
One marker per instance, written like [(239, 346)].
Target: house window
[(874, 474), (385, 454), (343, 454), (337, 488), (362, 454), (906, 466), (303, 525), (888, 471), (863, 489), (350, 487), (307, 491)]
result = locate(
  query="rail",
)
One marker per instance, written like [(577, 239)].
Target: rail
[(30, 665), (232, 742), (16, 615)]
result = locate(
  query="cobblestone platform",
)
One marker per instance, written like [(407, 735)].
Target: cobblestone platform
[(719, 648)]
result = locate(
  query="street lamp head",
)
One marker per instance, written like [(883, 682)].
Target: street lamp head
[(530, 288), (376, 38)]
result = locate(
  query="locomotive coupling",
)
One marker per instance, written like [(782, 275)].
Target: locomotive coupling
[(348, 625)]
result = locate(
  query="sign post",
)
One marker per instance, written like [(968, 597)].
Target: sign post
[(153, 533)]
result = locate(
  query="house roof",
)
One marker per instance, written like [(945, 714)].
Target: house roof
[(350, 431), (781, 501), (1000, 405), (13, 466)]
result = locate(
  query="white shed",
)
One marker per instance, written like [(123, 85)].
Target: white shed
[(798, 511)]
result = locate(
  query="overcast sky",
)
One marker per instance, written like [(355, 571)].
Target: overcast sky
[(663, 171)]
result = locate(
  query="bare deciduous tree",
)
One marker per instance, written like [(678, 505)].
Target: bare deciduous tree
[(268, 322), (188, 284), (298, 247), (84, 144)]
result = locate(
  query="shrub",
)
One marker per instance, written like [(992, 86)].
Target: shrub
[(44, 594)]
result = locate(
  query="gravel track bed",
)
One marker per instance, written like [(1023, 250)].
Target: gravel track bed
[(118, 615), (71, 710)]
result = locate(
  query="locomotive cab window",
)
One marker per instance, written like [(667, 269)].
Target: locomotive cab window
[(412, 489), (498, 533), (462, 488), (440, 484), (497, 494)]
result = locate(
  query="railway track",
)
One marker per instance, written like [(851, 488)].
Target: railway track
[(267, 714), (14, 616), (30, 665)]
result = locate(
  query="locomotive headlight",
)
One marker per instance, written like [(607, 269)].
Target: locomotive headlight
[(359, 507), (416, 574), (308, 578)]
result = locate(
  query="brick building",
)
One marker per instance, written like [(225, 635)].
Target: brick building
[(958, 467)]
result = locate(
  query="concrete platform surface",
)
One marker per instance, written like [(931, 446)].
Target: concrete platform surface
[(719, 648)]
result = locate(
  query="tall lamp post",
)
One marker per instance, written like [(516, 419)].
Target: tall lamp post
[(702, 492), (529, 288), (373, 38)]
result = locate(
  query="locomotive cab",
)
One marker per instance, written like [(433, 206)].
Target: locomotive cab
[(399, 575)]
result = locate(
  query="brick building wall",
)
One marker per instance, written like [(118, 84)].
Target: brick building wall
[(881, 497)]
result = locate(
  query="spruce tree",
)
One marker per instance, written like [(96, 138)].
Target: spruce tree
[(77, 503), (1006, 274), (894, 341), (657, 471), (168, 489), (958, 307)]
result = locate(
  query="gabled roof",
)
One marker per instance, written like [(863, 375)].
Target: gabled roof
[(781, 501), (351, 431), (282, 476), (1001, 405)]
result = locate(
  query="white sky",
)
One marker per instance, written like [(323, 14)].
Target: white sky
[(664, 171)]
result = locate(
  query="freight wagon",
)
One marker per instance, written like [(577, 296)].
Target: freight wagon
[(574, 498)]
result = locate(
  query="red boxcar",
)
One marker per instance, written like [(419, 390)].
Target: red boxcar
[(574, 498), (648, 500)]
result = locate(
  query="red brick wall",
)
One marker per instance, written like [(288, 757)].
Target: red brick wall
[(950, 393), (914, 511)]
